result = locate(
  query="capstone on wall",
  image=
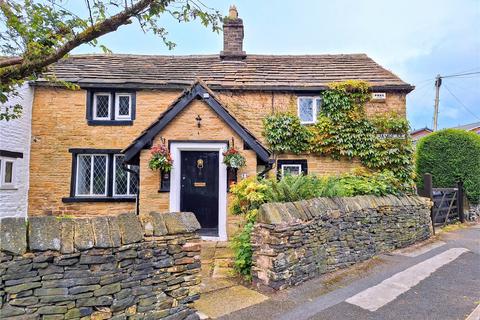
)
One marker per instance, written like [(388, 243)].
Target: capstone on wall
[(296, 241), (15, 137), (117, 267)]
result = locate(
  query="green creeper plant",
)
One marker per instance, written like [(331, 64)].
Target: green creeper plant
[(284, 133), (344, 130)]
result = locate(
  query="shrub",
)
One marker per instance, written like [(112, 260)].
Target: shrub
[(247, 195), (292, 188), (242, 246), (366, 183), (450, 155)]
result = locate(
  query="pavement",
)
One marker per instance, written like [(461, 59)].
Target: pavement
[(435, 280), (221, 291)]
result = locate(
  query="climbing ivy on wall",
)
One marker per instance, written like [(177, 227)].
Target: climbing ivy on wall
[(344, 130)]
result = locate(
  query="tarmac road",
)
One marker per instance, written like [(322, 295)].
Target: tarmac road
[(437, 281)]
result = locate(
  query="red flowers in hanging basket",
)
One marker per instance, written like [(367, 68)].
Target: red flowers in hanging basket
[(233, 159), (160, 159)]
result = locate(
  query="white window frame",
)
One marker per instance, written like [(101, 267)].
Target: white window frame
[(91, 155), (315, 108), (128, 194), (299, 166), (94, 109), (117, 106), (3, 167)]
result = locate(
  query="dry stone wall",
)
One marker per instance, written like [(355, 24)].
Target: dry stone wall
[(122, 267), (293, 242)]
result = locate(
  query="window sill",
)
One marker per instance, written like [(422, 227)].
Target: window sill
[(110, 122), (94, 199), (8, 188)]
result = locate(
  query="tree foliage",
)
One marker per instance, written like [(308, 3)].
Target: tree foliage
[(36, 33), (450, 155)]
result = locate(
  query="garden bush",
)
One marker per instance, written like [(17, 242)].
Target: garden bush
[(450, 155)]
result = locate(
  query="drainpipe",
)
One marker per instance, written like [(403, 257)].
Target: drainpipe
[(268, 167), (137, 197)]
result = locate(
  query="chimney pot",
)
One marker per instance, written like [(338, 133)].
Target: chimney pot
[(233, 13), (232, 36)]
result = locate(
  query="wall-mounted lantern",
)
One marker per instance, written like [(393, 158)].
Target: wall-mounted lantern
[(199, 120)]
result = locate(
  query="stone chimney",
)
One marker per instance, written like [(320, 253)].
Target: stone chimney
[(232, 36)]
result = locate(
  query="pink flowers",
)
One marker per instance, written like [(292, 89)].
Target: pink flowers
[(161, 158)]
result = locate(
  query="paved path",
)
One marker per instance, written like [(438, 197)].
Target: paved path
[(438, 280)]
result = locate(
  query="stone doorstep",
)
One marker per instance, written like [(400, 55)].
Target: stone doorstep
[(214, 304), (222, 272), (210, 285)]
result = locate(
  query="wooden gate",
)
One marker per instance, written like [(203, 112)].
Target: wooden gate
[(445, 205), (447, 202)]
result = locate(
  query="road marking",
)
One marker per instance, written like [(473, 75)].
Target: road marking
[(475, 315), (420, 250), (377, 296)]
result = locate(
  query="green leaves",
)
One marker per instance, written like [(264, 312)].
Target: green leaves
[(242, 247), (285, 134), (449, 156), (343, 130)]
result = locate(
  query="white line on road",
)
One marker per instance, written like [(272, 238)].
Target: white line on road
[(475, 315), (377, 296), (415, 252)]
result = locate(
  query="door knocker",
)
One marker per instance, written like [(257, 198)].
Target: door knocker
[(200, 163)]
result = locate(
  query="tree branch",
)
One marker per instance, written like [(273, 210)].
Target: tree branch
[(26, 67), (10, 61)]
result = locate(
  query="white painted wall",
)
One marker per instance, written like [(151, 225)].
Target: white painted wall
[(15, 135)]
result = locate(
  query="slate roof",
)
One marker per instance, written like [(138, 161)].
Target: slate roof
[(469, 126), (263, 72)]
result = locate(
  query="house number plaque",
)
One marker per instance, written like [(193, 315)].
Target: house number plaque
[(199, 184)]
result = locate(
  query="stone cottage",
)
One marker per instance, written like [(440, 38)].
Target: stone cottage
[(91, 147)]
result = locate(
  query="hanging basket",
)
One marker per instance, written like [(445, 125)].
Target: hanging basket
[(233, 159)]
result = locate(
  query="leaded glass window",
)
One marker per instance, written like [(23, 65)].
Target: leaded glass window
[(91, 175), (101, 106), (125, 183), (123, 106)]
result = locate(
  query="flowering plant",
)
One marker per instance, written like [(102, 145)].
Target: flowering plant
[(233, 159), (161, 158)]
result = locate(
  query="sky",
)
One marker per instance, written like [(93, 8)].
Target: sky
[(414, 39)]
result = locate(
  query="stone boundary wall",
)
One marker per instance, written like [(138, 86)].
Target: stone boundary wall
[(293, 242), (115, 267)]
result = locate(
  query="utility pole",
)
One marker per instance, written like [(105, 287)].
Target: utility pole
[(438, 83)]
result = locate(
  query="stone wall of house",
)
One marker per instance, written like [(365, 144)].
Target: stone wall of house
[(114, 267), (323, 165), (293, 242), (59, 123), (184, 128), (15, 137)]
